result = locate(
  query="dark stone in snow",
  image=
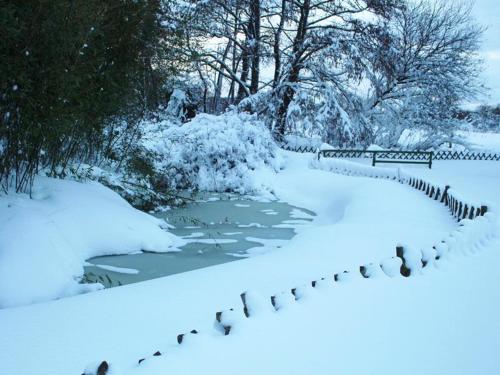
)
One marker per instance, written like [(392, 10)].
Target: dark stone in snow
[(103, 368)]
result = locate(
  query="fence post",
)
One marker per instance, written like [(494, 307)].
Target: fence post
[(430, 160), (444, 198), (373, 158)]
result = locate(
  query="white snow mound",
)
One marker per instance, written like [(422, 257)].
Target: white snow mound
[(45, 240)]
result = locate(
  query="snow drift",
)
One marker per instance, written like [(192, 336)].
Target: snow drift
[(45, 240)]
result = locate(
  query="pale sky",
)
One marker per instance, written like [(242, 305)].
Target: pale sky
[(487, 13)]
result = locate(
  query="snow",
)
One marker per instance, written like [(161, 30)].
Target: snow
[(441, 320), (211, 240), (374, 147), (482, 141), (295, 142), (45, 240), (116, 269), (214, 153)]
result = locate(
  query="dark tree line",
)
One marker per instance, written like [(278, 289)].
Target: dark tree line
[(67, 68)]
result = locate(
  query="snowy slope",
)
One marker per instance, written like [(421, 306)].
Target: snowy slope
[(45, 240), (482, 141), (359, 220), (444, 322)]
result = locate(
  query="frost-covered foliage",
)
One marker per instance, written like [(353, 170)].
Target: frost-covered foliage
[(176, 104), (320, 113), (415, 123), (141, 191), (148, 161), (216, 153), (484, 118), (124, 165), (421, 66)]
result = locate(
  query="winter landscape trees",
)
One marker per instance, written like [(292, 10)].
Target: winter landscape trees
[(147, 148), (78, 77)]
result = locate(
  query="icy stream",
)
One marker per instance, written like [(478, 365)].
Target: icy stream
[(218, 229)]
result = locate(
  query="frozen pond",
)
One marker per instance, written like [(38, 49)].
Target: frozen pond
[(218, 229)]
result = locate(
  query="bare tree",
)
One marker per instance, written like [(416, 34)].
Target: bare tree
[(425, 62)]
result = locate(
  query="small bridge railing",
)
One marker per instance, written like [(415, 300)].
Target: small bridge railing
[(382, 156)]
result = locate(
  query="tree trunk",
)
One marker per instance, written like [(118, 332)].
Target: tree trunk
[(218, 86), (255, 46), (276, 46), (245, 66), (293, 74)]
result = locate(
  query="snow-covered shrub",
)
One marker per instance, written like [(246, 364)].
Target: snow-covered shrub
[(140, 190), (213, 153), (176, 103), (181, 105)]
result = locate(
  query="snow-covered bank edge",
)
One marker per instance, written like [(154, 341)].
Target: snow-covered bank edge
[(470, 236), (460, 207), (65, 222), (45, 239)]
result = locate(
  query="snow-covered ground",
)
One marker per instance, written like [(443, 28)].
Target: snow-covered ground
[(482, 141), (45, 240), (443, 321)]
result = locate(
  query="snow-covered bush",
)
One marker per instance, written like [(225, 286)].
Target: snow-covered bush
[(141, 190), (213, 153)]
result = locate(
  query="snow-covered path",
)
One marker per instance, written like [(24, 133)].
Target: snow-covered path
[(417, 325)]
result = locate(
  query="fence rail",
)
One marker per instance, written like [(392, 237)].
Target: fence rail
[(409, 155), (465, 155), (404, 157), (301, 149)]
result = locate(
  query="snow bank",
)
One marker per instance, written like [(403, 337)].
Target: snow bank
[(460, 207), (45, 240), (379, 313), (214, 153), (477, 220), (294, 142), (482, 141), (350, 168)]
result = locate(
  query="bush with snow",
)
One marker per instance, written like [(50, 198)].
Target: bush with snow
[(213, 153)]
